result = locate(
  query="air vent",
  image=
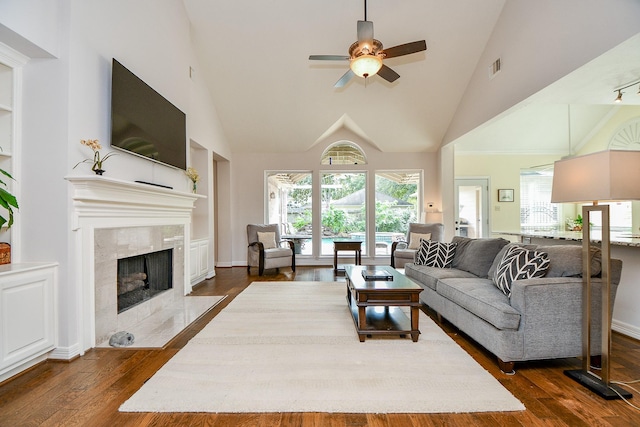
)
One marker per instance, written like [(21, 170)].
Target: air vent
[(495, 68)]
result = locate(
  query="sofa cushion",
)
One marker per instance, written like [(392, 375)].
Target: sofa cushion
[(517, 264), (435, 254), (277, 253), (476, 255), (566, 260), (429, 276), (483, 299)]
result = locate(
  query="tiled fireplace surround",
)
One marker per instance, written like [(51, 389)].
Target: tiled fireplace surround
[(115, 219), (111, 244)]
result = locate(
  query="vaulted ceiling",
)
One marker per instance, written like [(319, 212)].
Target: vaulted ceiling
[(254, 56)]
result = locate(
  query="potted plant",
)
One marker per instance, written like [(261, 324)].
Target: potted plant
[(575, 224), (7, 200)]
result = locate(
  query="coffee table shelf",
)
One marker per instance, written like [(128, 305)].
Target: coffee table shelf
[(375, 305)]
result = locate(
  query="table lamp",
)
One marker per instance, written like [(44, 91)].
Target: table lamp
[(611, 175)]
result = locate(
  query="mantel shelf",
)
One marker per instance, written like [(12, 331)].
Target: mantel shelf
[(97, 196)]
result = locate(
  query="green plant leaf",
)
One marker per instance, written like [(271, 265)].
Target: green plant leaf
[(7, 200), (5, 173)]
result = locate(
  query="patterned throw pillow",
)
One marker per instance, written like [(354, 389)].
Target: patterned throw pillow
[(435, 254), (517, 264)]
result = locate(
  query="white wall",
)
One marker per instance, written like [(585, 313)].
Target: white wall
[(248, 178), (67, 99), (31, 26)]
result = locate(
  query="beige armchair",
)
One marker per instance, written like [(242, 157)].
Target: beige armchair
[(266, 250), (405, 251)]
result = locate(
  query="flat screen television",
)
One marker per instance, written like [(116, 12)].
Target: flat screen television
[(145, 123)]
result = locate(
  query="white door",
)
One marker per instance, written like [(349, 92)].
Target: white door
[(472, 207)]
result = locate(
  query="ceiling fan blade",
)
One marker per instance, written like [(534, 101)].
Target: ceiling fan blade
[(405, 49), (365, 32), (345, 78), (328, 57), (388, 74)]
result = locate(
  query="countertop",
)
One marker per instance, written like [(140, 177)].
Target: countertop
[(617, 239)]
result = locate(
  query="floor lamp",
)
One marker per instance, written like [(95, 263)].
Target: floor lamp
[(598, 177)]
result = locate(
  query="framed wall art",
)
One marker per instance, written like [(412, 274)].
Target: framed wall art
[(505, 195)]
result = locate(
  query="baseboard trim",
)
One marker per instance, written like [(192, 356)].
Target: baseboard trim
[(66, 353), (625, 329)]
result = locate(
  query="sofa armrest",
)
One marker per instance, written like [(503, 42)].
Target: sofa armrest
[(551, 311)]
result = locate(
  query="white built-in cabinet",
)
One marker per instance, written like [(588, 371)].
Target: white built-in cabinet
[(28, 315), (199, 258)]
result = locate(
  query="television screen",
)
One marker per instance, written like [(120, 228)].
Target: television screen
[(143, 122)]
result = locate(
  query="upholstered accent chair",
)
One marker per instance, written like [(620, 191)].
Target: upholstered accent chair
[(266, 250), (405, 251)]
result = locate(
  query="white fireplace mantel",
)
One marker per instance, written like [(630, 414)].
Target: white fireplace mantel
[(99, 197), (103, 202)]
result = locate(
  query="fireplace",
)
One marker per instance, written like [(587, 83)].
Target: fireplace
[(143, 277), (115, 219), (151, 262)]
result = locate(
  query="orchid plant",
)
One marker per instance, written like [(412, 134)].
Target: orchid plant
[(97, 160)]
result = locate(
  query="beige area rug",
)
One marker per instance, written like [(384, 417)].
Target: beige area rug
[(292, 347)]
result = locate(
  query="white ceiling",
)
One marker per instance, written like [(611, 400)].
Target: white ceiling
[(271, 98)]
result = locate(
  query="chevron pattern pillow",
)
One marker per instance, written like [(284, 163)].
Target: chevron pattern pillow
[(435, 254), (517, 264)]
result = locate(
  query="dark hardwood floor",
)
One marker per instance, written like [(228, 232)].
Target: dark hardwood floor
[(89, 390)]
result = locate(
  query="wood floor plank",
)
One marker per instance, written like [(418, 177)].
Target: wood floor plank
[(90, 389)]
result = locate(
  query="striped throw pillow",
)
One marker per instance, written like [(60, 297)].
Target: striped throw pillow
[(517, 264), (435, 254)]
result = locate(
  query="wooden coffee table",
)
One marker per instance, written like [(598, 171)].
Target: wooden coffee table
[(375, 305)]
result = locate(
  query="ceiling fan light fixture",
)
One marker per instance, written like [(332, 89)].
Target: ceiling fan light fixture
[(366, 65)]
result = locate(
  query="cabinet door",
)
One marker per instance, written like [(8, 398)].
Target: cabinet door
[(194, 261), (203, 252), (27, 317)]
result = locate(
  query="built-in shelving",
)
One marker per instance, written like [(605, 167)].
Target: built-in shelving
[(11, 63)]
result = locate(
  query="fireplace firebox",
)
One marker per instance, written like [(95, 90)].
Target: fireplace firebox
[(143, 277)]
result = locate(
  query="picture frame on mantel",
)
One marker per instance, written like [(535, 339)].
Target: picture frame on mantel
[(505, 195)]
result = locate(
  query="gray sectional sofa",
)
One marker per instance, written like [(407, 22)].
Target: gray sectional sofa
[(541, 319)]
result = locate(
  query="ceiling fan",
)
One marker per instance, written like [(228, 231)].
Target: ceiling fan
[(366, 55)]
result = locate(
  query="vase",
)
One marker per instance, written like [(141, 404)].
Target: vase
[(194, 188), (98, 171)]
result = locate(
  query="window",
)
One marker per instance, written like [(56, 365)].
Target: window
[(343, 211), (620, 217), (396, 206), (537, 213), (341, 207), (289, 203), (343, 153)]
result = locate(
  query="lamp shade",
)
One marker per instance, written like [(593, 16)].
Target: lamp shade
[(602, 176), (366, 65)]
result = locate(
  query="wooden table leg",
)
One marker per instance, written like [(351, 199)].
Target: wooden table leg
[(415, 332), (362, 321), (335, 261)]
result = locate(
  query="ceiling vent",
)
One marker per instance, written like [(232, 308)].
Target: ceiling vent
[(495, 68)]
